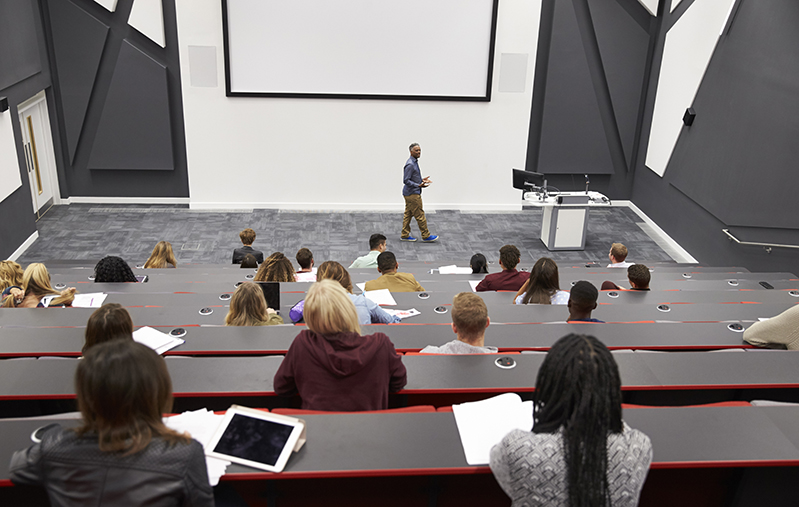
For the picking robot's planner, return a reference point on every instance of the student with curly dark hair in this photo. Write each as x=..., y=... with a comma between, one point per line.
x=275, y=268
x=579, y=453
x=112, y=269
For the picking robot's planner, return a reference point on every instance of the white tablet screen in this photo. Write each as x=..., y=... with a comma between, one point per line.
x=254, y=439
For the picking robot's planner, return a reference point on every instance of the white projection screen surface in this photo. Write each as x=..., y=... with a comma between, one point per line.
x=408, y=49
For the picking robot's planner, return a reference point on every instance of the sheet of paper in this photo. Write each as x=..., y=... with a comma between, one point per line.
x=156, y=340
x=454, y=270
x=201, y=425
x=474, y=284
x=90, y=300
x=361, y=286
x=382, y=297
x=482, y=424
x=403, y=314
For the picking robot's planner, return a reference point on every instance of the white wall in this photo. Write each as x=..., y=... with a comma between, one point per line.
x=348, y=154
x=687, y=52
x=9, y=165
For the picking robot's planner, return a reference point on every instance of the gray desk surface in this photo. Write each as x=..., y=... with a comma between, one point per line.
x=32, y=342
x=51, y=378
x=428, y=443
x=188, y=316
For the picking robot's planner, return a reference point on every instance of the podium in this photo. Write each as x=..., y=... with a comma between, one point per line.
x=565, y=217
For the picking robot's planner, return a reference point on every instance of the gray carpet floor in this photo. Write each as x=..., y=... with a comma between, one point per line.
x=88, y=232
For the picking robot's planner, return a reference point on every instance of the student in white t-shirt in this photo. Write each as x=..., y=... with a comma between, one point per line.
x=617, y=254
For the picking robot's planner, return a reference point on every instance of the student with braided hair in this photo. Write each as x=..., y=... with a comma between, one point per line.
x=579, y=453
x=276, y=268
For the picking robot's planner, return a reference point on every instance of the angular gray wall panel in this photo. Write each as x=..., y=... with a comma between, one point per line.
x=19, y=46
x=572, y=135
x=134, y=130
x=623, y=45
x=739, y=160
x=78, y=40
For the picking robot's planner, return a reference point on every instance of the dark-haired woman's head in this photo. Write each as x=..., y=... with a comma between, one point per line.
x=578, y=389
x=543, y=282
x=112, y=269
x=479, y=263
x=109, y=322
x=249, y=261
x=123, y=389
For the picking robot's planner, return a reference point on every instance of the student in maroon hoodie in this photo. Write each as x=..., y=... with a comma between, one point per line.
x=331, y=365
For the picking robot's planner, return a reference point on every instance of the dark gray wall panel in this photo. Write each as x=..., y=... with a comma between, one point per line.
x=623, y=45
x=572, y=134
x=78, y=40
x=19, y=45
x=134, y=129
x=744, y=144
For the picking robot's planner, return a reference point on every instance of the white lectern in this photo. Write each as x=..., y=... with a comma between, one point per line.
x=565, y=217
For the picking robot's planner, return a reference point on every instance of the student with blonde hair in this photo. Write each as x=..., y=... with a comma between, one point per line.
x=248, y=308
x=368, y=311
x=36, y=290
x=275, y=268
x=330, y=365
x=161, y=256
x=10, y=275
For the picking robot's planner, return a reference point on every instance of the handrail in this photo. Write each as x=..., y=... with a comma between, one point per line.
x=767, y=246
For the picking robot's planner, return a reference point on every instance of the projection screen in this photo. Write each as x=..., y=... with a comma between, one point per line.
x=377, y=49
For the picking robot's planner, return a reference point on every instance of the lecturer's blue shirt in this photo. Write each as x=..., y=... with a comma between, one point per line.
x=412, y=177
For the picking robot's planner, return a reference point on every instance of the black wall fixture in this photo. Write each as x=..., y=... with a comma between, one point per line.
x=688, y=117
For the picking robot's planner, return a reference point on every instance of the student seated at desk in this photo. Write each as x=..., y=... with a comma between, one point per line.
x=469, y=323
x=112, y=269
x=249, y=262
x=36, y=291
x=478, y=263
x=275, y=268
x=122, y=454
x=109, y=322
x=248, y=308
x=247, y=236
x=508, y=278
x=377, y=245
x=161, y=256
x=543, y=285
x=638, y=275
x=582, y=301
x=331, y=365
x=305, y=260
x=389, y=278
x=579, y=451
x=617, y=256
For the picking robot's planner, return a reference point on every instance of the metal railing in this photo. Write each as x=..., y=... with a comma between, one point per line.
x=767, y=246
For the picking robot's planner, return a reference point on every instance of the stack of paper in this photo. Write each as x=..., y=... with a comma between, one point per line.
x=403, y=314
x=201, y=425
x=91, y=300
x=474, y=284
x=156, y=340
x=382, y=297
x=454, y=270
x=482, y=424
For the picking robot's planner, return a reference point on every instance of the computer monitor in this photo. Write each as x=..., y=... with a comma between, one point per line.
x=527, y=180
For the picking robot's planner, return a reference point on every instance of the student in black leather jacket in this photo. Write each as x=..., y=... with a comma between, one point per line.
x=123, y=454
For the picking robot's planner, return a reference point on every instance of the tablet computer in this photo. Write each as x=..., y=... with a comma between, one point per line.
x=271, y=294
x=256, y=439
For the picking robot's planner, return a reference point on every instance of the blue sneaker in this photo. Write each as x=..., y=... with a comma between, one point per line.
x=430, y=238
x=409, y=238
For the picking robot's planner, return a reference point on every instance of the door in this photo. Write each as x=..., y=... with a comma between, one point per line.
x=39, y=155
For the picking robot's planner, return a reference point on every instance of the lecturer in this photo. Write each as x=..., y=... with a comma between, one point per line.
x=412, y=192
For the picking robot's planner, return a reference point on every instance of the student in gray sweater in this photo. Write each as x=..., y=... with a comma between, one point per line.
x=469, y=322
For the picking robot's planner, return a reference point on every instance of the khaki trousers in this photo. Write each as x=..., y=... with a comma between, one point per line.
x=413, y=208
